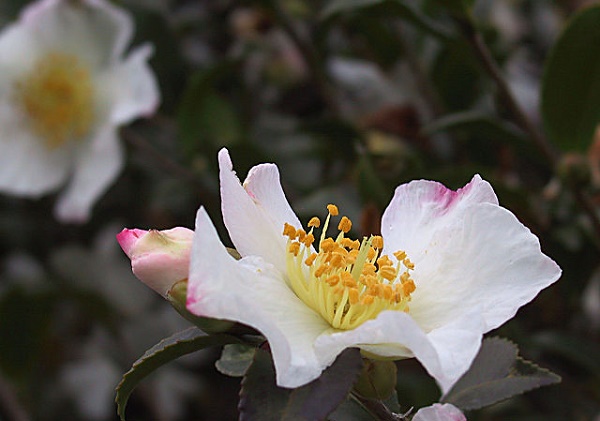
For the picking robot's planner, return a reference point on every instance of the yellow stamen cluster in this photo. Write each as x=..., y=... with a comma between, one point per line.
x=346, y=281
x=58, y=98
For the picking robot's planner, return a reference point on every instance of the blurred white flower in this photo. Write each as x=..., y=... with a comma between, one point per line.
x=65, y=87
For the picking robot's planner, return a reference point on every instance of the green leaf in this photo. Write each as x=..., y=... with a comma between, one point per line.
x=235, y=359
x=497, y=373
x=320, y=397
x=175, y=346
x=397, y=7
x=571, y=83
x=261, y=399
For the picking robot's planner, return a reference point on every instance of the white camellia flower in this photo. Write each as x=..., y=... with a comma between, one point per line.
x=449, y=267
x=65, y=87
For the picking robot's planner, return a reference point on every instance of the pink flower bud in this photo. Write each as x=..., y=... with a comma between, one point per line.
x=158, y=258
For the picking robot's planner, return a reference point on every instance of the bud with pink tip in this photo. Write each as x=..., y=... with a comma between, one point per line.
x=158, y=258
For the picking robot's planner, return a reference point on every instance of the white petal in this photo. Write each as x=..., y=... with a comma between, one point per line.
x=255, y=213
x=97, y=165
x=445, y=353
x=418, y=208
x=468, y=253
x=485, y=259
x=93, y=29
x=27, y=167
x=250, y=292
x=439, y=412
x=130, y=87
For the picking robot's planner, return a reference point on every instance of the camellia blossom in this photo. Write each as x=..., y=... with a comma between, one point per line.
x=65, y=87
x=158, y=258
x=448, y=267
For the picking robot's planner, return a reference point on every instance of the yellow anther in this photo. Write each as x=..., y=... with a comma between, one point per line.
x=405, y=277
x=388, y=272
x=333, y=280
x=387, y=291
x=377, y=241
x=352, y=254
x=345, y=225
x=321, y=270
x=333, y=210
x=367, y=300
x=400, y=255
x=308, y=240
x=372, y=253
x=301, y=234
x=408, y=264
x=294, y=248
x=408, y=287
x=346, y=242
x=353, y=296
x=384, y=261
x=350, y=283
x=314, y=222
x=369, y=269
x=368, y=280
x=375, y=290
x=327, y=245
x=337, y=261
x=289, y=231
x=310, y=259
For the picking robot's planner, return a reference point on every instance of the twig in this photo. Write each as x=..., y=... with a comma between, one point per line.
x=482, y=52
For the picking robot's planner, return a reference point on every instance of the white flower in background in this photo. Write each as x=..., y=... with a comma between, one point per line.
x=65, y=87
x=449, y=267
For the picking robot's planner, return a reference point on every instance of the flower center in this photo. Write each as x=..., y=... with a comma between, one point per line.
x=57, y=96
x=346, y=281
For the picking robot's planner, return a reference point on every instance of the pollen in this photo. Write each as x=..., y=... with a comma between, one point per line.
x=346, y=281
x=57, y=96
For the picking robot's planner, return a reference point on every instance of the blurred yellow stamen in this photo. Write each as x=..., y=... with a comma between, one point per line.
x=58, y=98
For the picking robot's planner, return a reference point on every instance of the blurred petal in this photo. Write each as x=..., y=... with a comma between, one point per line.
x=93, y=29
x=131, y=87
x=96, y=167
x=27, y=167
